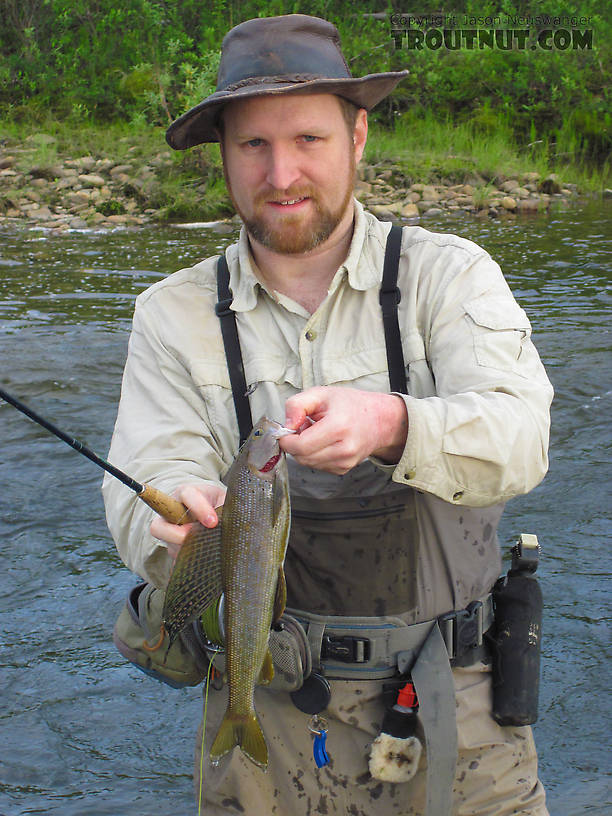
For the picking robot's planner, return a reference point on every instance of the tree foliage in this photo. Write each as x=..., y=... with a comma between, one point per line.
x=150, y=60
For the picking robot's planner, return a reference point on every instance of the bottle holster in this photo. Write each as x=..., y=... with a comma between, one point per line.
x=515, y=639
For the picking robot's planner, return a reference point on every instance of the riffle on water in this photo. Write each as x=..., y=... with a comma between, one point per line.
x=81, y=730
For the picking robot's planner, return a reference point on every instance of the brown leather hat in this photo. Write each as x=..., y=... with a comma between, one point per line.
x=278, y=55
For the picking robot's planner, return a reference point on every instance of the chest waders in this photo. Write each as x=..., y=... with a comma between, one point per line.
x=384, y=620
x=361, y=533
x=369, y=580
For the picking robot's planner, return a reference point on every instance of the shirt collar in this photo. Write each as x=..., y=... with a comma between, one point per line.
x=366, y=252
x=363, y=264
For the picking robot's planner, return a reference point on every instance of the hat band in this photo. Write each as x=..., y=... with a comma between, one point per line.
x=268, y=80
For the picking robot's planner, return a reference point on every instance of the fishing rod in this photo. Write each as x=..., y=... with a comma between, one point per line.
x=171, y=509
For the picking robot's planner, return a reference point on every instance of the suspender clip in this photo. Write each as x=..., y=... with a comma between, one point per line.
x=389, y=298
x=222, y=308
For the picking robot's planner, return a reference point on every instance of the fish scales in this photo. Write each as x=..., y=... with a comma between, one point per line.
x=187, y=595
x=253, y=567
x=256, y=518
x=243, y=558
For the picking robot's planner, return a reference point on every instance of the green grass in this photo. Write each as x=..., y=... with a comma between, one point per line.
x=429, y=150
x=184, y=184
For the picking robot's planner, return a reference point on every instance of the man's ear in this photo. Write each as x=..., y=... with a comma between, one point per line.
x=360, y=134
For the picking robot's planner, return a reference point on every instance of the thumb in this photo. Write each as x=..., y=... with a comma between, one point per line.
x=300, y=407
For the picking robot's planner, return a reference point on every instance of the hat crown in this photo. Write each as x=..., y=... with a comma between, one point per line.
x=294, y=45
x=295, y=54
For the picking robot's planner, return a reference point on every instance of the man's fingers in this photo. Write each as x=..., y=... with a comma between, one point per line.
x=201, y=500
x=349, y=425
x=300, y=407
x=312, y=439
x=337, y=458
x=172, y=534
x=201, y=506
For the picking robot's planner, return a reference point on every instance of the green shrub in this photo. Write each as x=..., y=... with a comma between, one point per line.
x=111, y=207
x=147, y=61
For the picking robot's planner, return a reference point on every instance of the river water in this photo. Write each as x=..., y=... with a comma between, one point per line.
x=81, y=731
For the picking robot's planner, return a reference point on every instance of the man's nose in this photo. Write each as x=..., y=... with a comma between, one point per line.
x=283, y=169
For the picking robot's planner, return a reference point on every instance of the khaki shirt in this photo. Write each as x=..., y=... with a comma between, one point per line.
x=478, y=402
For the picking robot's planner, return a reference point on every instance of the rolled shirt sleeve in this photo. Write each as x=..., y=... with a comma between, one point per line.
x=162, y=435
x=483, y=437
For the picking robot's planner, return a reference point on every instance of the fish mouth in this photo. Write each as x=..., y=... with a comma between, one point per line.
x=270, y=464
x=264, y=451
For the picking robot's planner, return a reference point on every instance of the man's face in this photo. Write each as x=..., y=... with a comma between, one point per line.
x=289, y=165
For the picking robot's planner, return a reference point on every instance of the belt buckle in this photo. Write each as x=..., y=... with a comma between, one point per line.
x=345, y=648
x=462, y=630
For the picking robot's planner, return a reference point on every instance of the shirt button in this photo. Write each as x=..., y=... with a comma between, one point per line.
x=410, y=474
x=310, y=335
x=458, y=495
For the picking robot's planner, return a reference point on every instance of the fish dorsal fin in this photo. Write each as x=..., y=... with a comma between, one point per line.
x=196, y=578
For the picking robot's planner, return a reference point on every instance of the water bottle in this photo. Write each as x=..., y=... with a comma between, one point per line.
x=516, y=638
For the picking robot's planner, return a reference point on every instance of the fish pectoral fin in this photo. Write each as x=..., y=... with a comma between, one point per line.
x=266, y=673
x=280, y=598
x=280, y=502
x=196, y=578
x=244, y=731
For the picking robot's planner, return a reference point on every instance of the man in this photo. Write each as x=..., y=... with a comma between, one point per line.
x=395, y=496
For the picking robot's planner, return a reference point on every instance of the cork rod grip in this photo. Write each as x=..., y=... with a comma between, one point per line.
x=172, y=510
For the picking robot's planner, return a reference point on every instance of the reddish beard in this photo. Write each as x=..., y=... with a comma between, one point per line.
x=294, y=233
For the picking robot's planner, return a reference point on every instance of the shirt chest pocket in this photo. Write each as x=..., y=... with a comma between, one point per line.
x=361, y=368
x=367, y=368
x=500, y=329
x=270, y=381
x=258, y=368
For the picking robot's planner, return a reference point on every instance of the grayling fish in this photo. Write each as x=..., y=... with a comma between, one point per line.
x=243, y=558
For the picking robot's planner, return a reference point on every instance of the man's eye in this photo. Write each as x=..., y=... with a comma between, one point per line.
x=308, y=138
x=255, y=142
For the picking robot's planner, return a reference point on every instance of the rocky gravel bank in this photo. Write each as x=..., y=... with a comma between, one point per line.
x=86, y=191
x=385, y=193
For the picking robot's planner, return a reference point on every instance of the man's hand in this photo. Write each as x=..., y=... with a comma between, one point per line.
x=201, y=500
x=347, y=426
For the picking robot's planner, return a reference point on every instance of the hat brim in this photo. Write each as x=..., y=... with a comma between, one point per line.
x=199, y=124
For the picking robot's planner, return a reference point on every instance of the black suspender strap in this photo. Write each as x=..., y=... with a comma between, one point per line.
x=389, y=297
x=231, y=343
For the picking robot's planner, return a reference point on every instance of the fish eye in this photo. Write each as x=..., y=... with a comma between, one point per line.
x=258, y=432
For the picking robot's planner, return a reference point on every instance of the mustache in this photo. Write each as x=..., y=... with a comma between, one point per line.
x=284, y=195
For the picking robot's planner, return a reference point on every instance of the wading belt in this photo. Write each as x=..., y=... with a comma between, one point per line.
x=373, y=648
x=368, y=648
x=389, y=297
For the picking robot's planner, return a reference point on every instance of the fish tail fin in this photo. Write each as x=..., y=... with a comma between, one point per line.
x=245, y=731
